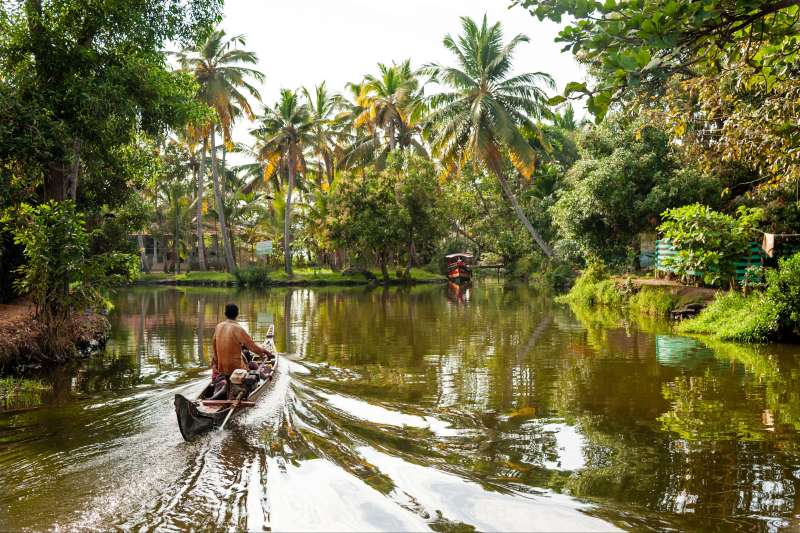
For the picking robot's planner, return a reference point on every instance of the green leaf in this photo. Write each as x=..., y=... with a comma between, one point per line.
x=574, y=87
x=643, y=57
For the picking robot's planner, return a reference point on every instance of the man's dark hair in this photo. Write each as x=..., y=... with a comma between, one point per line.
x=231, y=311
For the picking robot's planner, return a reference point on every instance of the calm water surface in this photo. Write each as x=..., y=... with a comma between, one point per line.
x=412, y=409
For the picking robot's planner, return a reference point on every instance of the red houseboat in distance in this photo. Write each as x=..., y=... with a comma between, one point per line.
x=458, y=270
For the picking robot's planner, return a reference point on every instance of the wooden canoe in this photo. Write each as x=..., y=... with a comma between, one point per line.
x=201, y=414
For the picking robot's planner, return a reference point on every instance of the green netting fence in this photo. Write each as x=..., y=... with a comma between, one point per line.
x=753, y=257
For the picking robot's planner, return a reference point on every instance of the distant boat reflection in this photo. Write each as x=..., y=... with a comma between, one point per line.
x=458, y=294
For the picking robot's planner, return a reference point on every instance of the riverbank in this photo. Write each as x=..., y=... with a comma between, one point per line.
x=768, y=314
x=25, y=345
x=303, y=277
x=651, y=297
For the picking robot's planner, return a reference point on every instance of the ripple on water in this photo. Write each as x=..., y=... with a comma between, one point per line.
x=406, y=412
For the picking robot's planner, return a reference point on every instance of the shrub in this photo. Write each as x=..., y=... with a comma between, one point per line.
x=59, y=275
x=594, y=287
x=628, y=173
x=255, y=276
x=759, y=317
x=707, y=241
x=783, y=292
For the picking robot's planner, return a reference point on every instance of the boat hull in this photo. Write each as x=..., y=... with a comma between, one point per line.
x=192, y=421
x=459, y=275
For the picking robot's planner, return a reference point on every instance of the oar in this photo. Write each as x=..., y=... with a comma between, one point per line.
x=233, y=408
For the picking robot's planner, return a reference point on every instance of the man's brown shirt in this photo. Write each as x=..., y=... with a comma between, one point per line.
x=229, y=338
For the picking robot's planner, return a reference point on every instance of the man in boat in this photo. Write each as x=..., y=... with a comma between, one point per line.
x=227, y=343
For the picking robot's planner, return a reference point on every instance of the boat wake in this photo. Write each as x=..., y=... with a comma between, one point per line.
x=308, y=457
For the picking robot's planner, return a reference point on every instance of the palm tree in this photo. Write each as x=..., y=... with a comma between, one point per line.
x=389, y=107
x=565, y=120
x=480, y=118
x=190, y=138
x=218, y=65
x=322, y=105
x=244, y=208
x=286, y=130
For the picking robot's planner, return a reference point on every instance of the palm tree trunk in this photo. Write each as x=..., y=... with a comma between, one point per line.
x=217, y=253
x=223, y=226
x=142, y=254
x=287, y=222
x=522, y=217
x=165, y=253
x=155, y=250
x=412, y=251
x=329, y=169
x=391, y=136
x=201, y=174
x=175, y=242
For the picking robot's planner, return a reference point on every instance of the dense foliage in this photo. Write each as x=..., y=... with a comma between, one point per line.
x=720, y=73
x=696, y=104
x=396, y=211
x=707, y=242
x=60, y=274
x=84, y=88
x=627, y=175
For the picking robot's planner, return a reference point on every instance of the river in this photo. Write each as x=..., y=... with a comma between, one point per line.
x=414, y=409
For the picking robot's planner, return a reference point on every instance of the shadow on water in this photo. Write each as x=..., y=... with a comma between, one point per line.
x=412, y=409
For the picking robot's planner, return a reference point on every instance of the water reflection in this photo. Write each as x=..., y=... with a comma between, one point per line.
x=410, y=409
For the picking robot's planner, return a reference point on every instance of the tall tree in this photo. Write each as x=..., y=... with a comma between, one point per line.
x=322, y=105
x=386, y=115
x=219, y=65
x=722, y=75
x=286, y=130
x=90, y=78
x=630, y=45
x=479, y=119
x=192, y=138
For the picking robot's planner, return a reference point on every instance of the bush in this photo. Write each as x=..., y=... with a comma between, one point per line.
x=759, y=317
x=594, y=287
x=541, y=272
x=255, y=276
x=783, y=292
x=628, y=173
x=708, y=242
x=59, y=274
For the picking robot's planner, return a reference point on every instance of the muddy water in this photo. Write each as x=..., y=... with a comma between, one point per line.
x=420, y=409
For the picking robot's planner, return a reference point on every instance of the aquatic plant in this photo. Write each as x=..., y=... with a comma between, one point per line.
x=20, y=393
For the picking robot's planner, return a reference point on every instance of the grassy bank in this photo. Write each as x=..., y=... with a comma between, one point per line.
x=762, y=316
x=766, y=315
x=736, y=317
x=209, y=278
x=595, y=288
x=278, y=278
